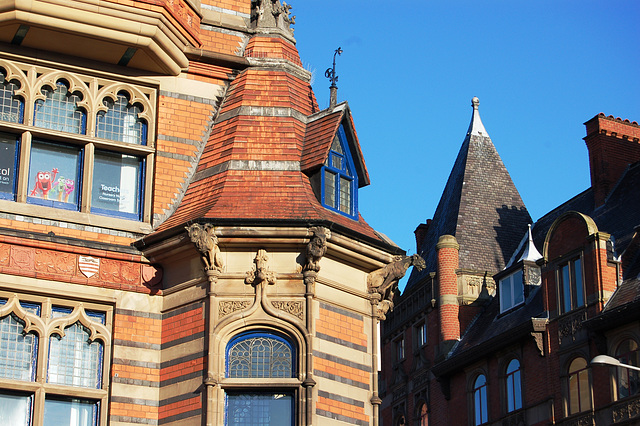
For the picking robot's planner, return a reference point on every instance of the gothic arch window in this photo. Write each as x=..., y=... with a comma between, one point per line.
x=52, y=354
x=82, y=144
x=628, y=381
x=263, y=364
x=121, y=121
x=11, y=105
x=59, y=110
x=513, y=386
x=578, y=388
x=480, y=401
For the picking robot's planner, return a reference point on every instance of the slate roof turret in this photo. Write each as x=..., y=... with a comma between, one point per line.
x=480, y=206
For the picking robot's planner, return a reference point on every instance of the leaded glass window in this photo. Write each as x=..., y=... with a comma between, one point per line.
x=121, y=122
x=259, y=355
x=18, y=350
x=11, y=106
x=74, y=360
x=60, y=111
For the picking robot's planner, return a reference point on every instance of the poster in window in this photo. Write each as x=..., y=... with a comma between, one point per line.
x=7, y=166
x=54, y=175
x=116, y=184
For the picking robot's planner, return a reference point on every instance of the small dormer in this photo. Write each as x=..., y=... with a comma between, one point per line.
x=519, y=278
x=333, y=161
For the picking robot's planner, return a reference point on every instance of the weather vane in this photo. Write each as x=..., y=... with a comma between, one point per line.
x=330, y=73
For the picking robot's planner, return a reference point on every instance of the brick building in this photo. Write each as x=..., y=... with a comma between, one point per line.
x=180, y=240
x=501, y=325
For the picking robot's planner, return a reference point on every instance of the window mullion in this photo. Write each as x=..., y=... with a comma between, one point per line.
x=87, y=178
x=22, y=188
x=147, y=187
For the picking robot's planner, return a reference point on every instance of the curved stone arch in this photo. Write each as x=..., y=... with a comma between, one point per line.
x=75, y=85
x=15, y=73
x=223, y=336
x=136, y=96
x=591, y=228
x=31, y=321
x=96, y=331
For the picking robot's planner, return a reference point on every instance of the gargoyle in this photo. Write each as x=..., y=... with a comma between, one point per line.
x=207, y=243
x=385, y=280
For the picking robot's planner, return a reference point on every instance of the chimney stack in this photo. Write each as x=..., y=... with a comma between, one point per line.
x=613, y=144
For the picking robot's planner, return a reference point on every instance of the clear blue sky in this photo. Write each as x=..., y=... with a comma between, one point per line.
x=410, y=68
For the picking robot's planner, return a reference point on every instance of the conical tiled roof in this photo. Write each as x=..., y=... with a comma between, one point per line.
x=480, y=206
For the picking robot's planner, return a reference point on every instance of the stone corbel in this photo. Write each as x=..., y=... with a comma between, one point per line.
x=316, y=249
x=206, y=241
x=260, y=272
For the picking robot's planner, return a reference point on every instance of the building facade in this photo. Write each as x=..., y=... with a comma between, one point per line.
x=180, y=239
x=501, y=325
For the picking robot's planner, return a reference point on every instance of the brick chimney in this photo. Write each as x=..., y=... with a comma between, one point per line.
x=613, y=144
x=420, y=233
x=448, y=307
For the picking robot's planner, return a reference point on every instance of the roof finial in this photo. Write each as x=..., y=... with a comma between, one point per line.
x=330, y=73
x=476, y=127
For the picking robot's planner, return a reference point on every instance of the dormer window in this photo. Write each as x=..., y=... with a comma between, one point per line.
x=511, y=291
x=339, y=180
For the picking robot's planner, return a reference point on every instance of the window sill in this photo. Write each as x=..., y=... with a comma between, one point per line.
x=107, y=222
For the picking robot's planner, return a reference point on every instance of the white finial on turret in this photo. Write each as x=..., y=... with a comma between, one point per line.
x=476, y=127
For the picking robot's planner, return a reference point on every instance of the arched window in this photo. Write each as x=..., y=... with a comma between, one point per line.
x=578, y=387
x=628, y=380
x=261, y=356
x=11, y=106
x=513, y=386
x=66, y=371
x=570, y=285
x=121, y=122
x=424, y=415
x=59, y=111
x=480, y=403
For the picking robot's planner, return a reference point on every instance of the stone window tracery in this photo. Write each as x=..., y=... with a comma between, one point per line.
x=75, y=142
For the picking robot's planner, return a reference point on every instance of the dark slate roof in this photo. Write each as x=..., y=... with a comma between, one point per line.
x=490, y=330
x=480, y=206
x=618, y=217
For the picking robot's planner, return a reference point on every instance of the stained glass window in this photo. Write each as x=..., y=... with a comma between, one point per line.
x=18, y=350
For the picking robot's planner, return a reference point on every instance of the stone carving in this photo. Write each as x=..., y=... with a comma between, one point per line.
x=294, y=308
x=316, y=248
x=260, y=271
x=537, y=337
x=272, y=14
x=205, y=239
x=227, y=307
x=384, y=281
x=570, y=326
x=626, y=411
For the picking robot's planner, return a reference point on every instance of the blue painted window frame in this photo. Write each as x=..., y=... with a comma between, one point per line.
x=40, y=104
x=75, y=205
x=34, y=308
x=346, y=171
x=114, y=118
